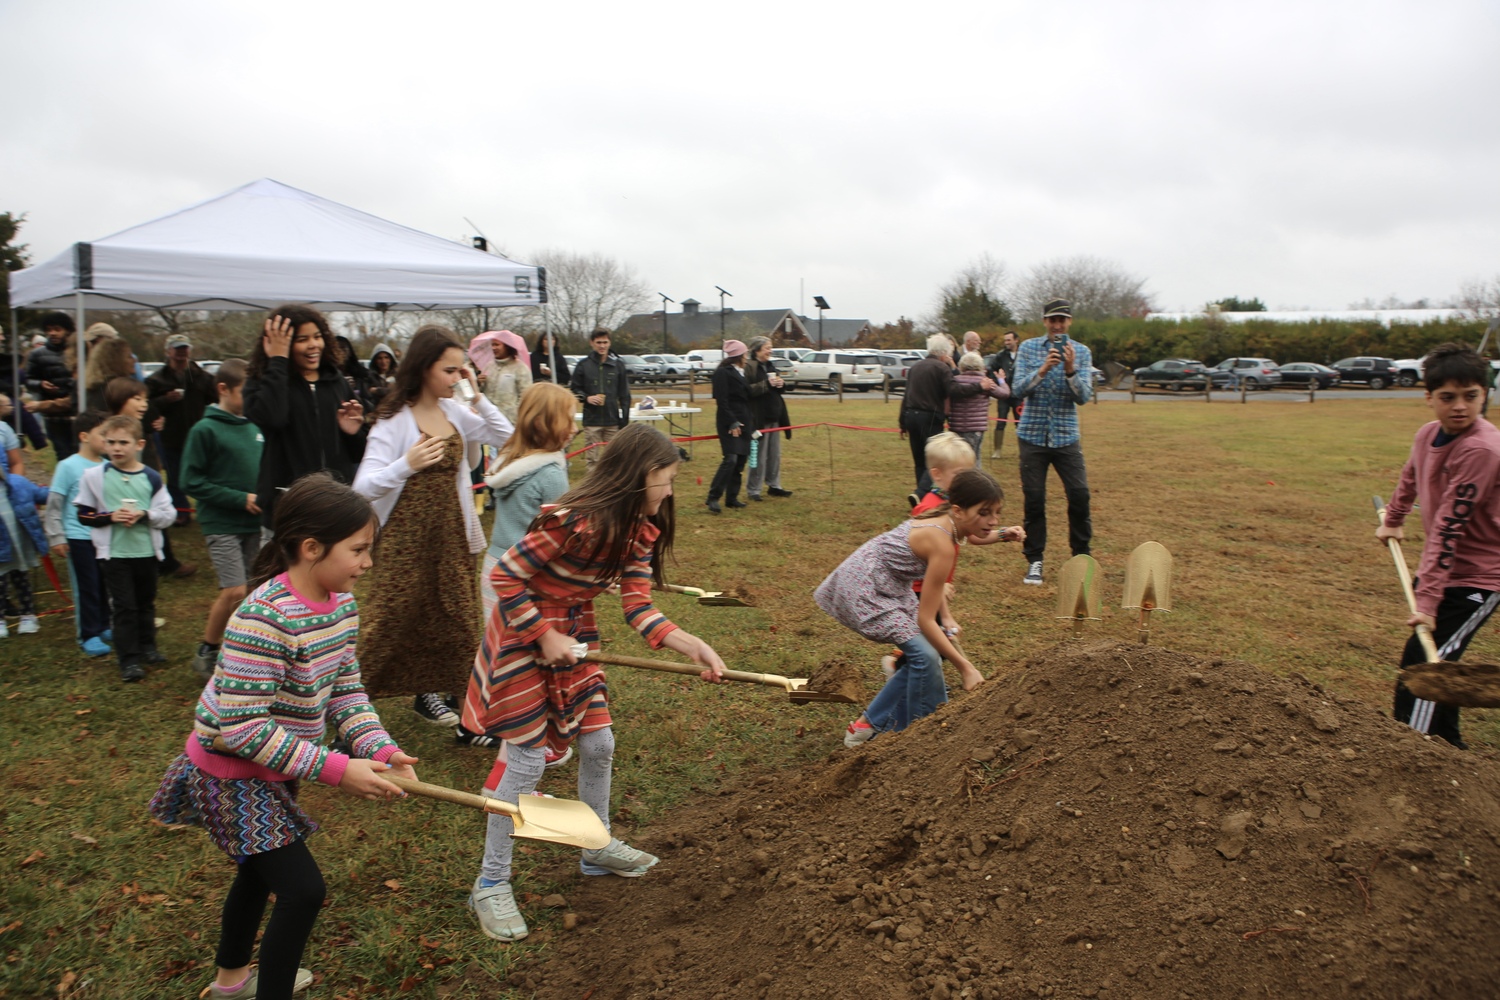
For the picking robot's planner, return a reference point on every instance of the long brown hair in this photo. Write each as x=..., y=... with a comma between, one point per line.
x=969, y=488
x=544, y=421
x=613, y=498
x=427, y=347
x=110, y=358
x=316, y=507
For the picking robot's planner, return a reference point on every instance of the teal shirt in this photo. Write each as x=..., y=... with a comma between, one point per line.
x=134, y=541
x=65, y=482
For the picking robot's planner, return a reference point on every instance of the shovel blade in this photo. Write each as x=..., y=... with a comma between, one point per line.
x=799, y=696
x=560, y=821
x=1467, y=685
x=1148, y=578
x=713, y=600
x=1078, y=589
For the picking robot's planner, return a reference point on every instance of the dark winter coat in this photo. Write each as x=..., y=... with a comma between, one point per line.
x=300, y=423
x=590, y=378
x=559, y=364
x=767, y=404
x=49, y=364
x=198, y=390
x=732, y=394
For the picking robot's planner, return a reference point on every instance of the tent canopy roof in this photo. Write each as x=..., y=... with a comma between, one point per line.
x=266, y=243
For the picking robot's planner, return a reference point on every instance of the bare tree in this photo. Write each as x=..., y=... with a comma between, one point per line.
x=1480, y=299
x=588, y=290
x=1096, y=287
x=974, y=297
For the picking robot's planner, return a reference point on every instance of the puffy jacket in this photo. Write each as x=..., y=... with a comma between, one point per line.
x=590, y=378
x=972, y=413
x=49, y=364
x=300, y=423
x=24, y=498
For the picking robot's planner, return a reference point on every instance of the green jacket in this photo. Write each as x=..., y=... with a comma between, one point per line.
x=220, y=465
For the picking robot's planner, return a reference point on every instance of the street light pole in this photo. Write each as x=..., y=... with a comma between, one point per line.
x=822, y=304
x=666, y=345
x=722, y=293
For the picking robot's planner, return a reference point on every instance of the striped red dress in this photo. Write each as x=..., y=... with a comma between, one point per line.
x=543, y=581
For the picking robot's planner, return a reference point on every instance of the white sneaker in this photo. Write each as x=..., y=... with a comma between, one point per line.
x=888, y=666
x=499, y=916
x=1033, y=574
x=29, y=625
x=4, y=629
x=619, y=858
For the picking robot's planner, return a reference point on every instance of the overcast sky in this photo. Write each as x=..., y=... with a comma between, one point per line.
x=1311, y=154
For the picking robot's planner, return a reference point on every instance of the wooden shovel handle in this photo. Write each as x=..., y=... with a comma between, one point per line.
x=1424, y=634
x=771, y=680
x=679, y=589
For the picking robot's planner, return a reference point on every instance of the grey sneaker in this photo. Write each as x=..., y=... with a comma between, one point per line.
x=246, y=990
x=1033, y=574
x=618, y=858
x=205, y=659
x=499, y=916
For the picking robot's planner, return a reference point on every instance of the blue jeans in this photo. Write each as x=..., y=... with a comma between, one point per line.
x=914, y=691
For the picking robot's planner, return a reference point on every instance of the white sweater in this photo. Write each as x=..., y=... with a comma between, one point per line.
x=384, y=471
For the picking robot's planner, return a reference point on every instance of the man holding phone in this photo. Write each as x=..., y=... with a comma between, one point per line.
x=1053, y=375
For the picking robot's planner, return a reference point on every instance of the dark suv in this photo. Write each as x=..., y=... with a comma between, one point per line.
x=1377, y=373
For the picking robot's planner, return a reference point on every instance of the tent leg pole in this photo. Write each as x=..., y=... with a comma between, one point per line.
x=547, y=326
x=15, y=371
x=81, y=349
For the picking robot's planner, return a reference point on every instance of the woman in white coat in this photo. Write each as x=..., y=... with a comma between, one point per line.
x=421, y=621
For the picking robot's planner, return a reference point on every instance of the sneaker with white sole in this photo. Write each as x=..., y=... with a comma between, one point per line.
x=618, y=858
x=205, y=659
x=499, y=916
x=247, y=990
x=464, y=738
x=859, y=733
x=1033, y=574
x=4, y=629
x=432, y=708
x=29, y=625
x=888, y=664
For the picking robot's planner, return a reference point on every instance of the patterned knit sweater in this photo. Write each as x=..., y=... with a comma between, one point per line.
x=287, y=666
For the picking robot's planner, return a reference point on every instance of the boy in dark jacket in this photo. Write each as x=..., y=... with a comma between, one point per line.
x=600, y=383
x=220, y=465
x=180, y=391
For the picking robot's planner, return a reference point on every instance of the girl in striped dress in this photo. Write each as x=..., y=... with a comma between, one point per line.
x=286, y=670
x=528, y=687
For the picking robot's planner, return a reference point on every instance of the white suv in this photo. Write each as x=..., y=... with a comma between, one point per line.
x=856, y=369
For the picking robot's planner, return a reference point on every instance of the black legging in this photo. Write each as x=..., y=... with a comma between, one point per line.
x=292, y=874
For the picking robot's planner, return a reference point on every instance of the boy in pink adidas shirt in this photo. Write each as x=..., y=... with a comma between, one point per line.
x=1451, y=473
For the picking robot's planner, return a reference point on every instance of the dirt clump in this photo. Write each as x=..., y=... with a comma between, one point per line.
x=839, y=676
x=1108, y=821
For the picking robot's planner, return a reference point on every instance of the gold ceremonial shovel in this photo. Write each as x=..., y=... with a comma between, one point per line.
x=708, y=598
x=559, y=821
x=1078, y=593
x=1148, y=584
x=796, y=687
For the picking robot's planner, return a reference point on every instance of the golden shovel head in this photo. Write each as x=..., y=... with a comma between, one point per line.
x=1148, y=578
x=560, y=821
x=1078, y=589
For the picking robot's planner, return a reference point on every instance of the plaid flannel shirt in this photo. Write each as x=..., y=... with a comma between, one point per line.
x=1050, y=416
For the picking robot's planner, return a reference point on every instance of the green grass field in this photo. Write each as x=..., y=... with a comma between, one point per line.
x=1265, y=506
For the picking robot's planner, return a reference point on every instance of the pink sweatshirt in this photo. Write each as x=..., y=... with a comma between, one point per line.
x=1455, y=484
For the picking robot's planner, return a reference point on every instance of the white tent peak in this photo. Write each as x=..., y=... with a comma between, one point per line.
x=265, y=243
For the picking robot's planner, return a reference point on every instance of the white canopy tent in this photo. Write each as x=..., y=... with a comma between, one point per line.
x=264, y=244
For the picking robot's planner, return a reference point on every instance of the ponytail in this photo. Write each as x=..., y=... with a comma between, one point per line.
x=316, y=507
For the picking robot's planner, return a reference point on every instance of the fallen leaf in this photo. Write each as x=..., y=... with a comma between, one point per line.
x=13, y=925
x=410, y=983
x=146, y=898
x=83, y=711
x=39, y=801
x=65, y=985
x=74, y=781
x=85, y=838
x=393, y=884
x=422, y=940
x=33, y=858
x=13, y=696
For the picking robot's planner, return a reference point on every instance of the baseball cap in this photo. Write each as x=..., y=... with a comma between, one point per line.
x=1058, y=307
x=178, y=340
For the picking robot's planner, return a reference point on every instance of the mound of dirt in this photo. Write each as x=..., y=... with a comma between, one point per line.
x=1109, y=821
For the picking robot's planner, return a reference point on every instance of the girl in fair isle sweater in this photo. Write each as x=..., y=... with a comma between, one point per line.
x=286, y=670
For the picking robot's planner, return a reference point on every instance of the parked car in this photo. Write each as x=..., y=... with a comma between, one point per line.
x=861, y=370
x=149, y=368
x=790, y=353
x=1256, y=373
x=1377, y=373
x=895, y=367
x=572, y=359
x=671, y=365
x=1409, y=371
x=638, y=369
x=1179, y=373
x=210, y=365
x=704, y=360
x=1306, y=373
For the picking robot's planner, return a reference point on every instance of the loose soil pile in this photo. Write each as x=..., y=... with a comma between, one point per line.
x=1109, y=821
x=839, y=676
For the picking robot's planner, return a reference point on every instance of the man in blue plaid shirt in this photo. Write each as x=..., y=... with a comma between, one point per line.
x=1053, y=375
